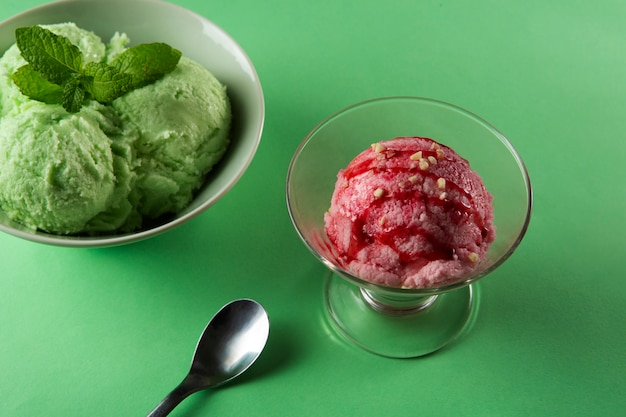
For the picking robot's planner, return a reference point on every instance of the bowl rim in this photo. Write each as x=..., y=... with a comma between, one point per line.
x=394, y=291
x=105, y=240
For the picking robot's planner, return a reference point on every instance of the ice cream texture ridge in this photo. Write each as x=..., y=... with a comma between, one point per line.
x=108, y=168
x=409, y=212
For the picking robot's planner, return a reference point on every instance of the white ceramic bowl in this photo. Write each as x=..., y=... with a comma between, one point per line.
x=197, y=38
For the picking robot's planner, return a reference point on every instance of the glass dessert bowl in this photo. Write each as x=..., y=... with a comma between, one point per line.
x=394, y=321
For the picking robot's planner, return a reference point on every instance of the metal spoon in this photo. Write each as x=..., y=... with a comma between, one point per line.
x=230, y=343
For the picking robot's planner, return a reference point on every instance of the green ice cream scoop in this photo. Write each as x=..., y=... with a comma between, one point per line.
x=183, y=122
x=57, y=168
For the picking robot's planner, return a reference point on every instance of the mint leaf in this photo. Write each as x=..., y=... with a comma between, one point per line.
x=56, y=72
x=33, y=85
x=105, y=83
x=147, y=63
x=54, y=56
x=73, y=94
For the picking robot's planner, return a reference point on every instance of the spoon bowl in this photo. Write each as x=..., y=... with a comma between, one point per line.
x=230, y=344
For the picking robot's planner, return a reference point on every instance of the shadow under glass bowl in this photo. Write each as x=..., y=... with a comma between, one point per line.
x=197, y=38
x=398, y=322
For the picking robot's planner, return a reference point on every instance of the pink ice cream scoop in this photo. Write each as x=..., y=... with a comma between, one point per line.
x=409, y=212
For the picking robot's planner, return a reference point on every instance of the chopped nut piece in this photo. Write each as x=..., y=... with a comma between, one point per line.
x=440, y=154
x=413, y=165
x=401, y=184
x=443, y=196
x=416, y=156
x=382, y=220
x=345, y=184
x=473, y=257
x=378, y=147
x=441, y=183
x=432, y=160
x=413, y=179
x=435, y=146
x=379, y=192
x=424, y=164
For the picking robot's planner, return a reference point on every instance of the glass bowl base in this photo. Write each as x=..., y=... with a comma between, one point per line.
x=406, y=334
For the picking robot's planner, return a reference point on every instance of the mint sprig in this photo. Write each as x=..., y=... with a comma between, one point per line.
x=56, y=72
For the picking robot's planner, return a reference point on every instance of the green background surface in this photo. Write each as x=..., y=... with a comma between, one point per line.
x=108, y=332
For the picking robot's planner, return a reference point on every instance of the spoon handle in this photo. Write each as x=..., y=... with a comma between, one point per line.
x=188, y=386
